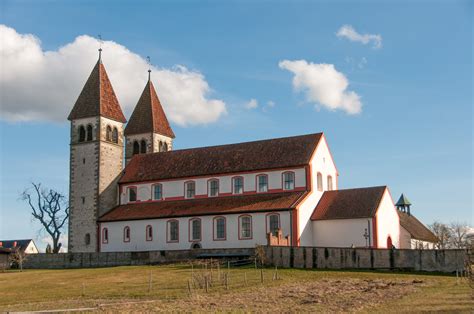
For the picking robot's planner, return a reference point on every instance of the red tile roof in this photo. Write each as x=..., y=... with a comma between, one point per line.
x=148, y=115
x=97, y=98
x=250, y=156
x=417, y=230
x=205, y=206
x=350, y=203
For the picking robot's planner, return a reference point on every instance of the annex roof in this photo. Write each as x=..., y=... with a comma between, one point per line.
x=417, y=230
x=97, y=98
x=205, y=206
x=349, y=203
x=148, y=115
x=231, y=158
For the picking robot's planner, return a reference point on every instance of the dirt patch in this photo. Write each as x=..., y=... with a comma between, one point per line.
x=326, y=295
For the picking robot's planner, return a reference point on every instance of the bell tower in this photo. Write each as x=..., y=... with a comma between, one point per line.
x=96, y=158
x=148, y=130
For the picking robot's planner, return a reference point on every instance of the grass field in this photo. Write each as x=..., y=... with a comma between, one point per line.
x=171, y=288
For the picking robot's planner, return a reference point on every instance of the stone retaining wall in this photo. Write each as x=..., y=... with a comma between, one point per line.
x=281, y=256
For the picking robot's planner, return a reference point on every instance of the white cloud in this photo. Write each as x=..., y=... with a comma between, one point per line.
x=323, y=85
x=270, y=104
x=43, y=85
x=251, y=104
x=347, y=31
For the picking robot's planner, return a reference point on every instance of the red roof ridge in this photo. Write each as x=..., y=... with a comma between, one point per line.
x=229, y=144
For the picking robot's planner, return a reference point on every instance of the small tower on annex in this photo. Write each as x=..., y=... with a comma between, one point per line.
x=96, y=158
x=403, y=204
x=148, y=130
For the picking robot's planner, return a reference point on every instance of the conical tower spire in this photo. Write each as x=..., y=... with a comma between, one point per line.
x=97, y=97
x=403, y=204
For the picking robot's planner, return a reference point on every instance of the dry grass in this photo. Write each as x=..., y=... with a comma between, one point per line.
x=129, y=289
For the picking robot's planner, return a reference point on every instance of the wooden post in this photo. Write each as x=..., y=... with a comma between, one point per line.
x=206, y=283
x=245, y=279
x=189, y=287
x=226, y=276
x=149, y=282
x=261, y=275
x=83, y=289
x=218, y=272
x=228, y=266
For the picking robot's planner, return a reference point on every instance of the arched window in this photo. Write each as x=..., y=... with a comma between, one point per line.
x=143, y=147
x=126, y=234
x=82, y=133
x=149, y=233
x=136, y=148
x=172, y=231
x=273, y=223
x=219, y=228
x=132, y=194
x=237, y=185
x=213, y=187
x=195, y=229
x=88, y=238
x=105, y=236
x=115, y=135
x=190, y=189
x=320, y=181
x=389, y=242
x=245, y=227
x=262, y=183
x=157, y=191
x=329, y=183
x=288, y=180
x=89, y=132
x=108, y=134
x=165, y=147
x=160, y=146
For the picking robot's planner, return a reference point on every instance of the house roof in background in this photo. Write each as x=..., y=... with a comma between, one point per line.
x=22, y=244
x=232, y=158
x=205, y=206
x=97, y=98
x=349, y=203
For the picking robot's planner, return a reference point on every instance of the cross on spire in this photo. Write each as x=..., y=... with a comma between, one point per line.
x=100, y=47
x=149, y=67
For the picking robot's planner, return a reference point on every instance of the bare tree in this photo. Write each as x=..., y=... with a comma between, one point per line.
x=443, y=233
x=459, y=235
x=50, y=208
x=17, y=257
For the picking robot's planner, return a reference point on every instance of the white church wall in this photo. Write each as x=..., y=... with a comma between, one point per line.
x=323, y=163
x=341, y=232
x=138, y=242
x=174, y=189
x=388, y=222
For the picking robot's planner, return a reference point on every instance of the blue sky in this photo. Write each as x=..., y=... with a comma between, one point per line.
x=414, y=132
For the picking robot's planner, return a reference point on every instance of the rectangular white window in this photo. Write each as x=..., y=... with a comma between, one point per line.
x=190, y=189
x=157, y=192
x=245, y=227
x=262, y=181
x=173, y=231
x=289, y=180
x=132, y=194
x=238, y=183
x=219, y=228
x=329, y=183
x=195, y=230
x=213, y=187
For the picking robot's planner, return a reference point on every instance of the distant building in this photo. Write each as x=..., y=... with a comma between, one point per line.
x=413, y=234
x=27, y=246
x=278, y=191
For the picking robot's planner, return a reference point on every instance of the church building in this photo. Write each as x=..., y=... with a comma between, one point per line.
x=131, y=191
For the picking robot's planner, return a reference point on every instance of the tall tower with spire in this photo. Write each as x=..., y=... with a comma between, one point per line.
x=148, y=130
x=96, y=158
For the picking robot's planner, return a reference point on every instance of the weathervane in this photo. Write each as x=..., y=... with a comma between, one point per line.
x=149, y=66
x=100, y=46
